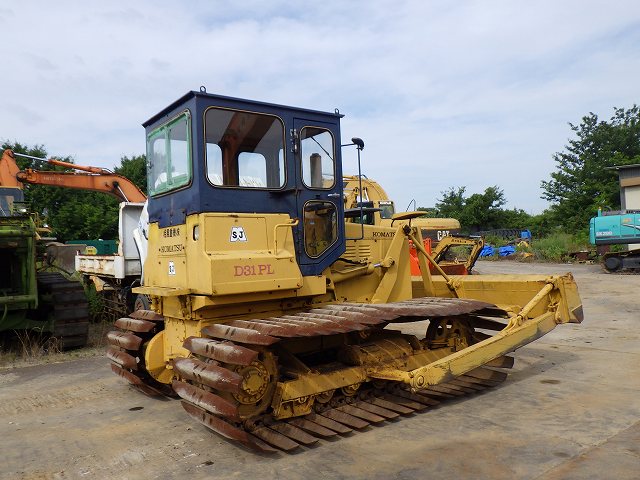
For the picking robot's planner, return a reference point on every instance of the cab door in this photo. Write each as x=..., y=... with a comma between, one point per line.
x=320, y=205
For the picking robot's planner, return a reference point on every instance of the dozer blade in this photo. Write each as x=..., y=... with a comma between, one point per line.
x=501, y=362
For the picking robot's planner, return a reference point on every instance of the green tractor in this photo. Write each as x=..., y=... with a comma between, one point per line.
x=33, y=299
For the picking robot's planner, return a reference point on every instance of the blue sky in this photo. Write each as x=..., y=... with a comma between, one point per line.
x=444, y=94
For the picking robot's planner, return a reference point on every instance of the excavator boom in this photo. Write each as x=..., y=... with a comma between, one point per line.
x=8, y=170
x=95, y=179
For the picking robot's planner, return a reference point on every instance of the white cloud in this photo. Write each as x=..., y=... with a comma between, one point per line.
x=444, y=94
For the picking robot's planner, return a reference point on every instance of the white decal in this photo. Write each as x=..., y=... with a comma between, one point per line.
x=442, y=234
x=237, y=235
x=172, y=268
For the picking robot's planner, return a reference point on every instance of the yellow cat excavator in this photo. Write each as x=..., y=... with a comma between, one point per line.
x=276, y=322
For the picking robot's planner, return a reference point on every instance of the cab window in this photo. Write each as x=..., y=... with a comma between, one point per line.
x=317, y=156
x=320, y=227
x=386, y=209
x=169, y=156
x=244, y=149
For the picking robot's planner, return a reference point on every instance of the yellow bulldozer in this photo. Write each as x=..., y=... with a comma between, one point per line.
x=367, y=202
x=278, y=323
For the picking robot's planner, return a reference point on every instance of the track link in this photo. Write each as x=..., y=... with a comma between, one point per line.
x=126, y=350
x=342, y=416
x=223, y=374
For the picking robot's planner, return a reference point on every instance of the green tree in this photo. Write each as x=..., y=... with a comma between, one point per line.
x=582, y=183
x=452, y=203
x=135, y=169
x=482, y=211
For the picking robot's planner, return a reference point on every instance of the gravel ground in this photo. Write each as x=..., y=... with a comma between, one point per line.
x=569, y=410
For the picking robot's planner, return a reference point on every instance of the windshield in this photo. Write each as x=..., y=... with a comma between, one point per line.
x=244, y=149
x=169, y=156
x=9, y=196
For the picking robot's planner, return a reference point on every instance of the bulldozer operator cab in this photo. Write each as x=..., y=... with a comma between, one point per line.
x=246, y=162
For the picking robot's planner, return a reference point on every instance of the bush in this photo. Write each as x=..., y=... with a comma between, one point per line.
x=556, y=247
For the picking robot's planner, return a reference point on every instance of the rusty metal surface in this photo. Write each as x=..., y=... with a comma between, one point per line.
x=206, y=400
x=345, y=418
x=375, y=409
x=135, y=325
x=225, y=352
x=231, y=343
x=240, y=335
x=404, y=402
x=208, y=374
x=276, y=439
x=294, y=433
x=339, y=318
x=147, y=315
x=361, y=413
x=394, y=407
x=311, y=427
x=225, y=429
x=415, y=397
x=125, y=340
x=122, y=358
x=328, y=423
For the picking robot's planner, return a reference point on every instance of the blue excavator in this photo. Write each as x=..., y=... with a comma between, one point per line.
x=617, y=228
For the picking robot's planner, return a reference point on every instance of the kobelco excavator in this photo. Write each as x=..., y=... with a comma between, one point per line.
x=276, y=322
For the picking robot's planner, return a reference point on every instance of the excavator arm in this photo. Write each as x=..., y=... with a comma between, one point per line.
x=92, y=178
x=9, y=170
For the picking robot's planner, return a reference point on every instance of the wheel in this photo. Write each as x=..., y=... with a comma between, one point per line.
x=612, y=264
x=451, y=332
x=142, y=302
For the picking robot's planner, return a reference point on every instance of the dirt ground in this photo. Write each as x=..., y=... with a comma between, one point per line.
x=569, y=410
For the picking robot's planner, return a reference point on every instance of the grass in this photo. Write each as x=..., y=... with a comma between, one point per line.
x=556, y=247
x=34, y=348
x=553, y=248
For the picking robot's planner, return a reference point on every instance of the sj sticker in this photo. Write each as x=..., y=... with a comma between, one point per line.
x=172, y=268
x=237, y=235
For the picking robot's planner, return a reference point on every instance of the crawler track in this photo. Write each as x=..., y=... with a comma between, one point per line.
x=69, y=307
x=230, y=381
x=126, y=350
x=224, y=383
x=345, y=414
